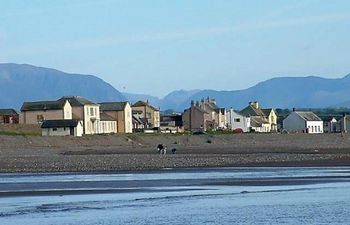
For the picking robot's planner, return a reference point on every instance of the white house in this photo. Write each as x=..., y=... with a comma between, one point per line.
x=305, y=122
x=62, y=128
x=235, y=120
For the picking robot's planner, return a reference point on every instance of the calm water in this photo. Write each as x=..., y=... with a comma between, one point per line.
x=191, y=196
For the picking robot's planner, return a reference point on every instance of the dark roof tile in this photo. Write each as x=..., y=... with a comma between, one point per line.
x=59, y=123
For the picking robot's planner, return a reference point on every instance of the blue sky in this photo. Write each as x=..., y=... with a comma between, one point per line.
x=156, y=46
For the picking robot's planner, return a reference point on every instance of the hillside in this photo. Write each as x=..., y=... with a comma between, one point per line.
x=285, y=92
x=21, y=82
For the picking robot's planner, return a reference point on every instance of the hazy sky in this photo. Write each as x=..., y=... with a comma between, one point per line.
x=156, y=46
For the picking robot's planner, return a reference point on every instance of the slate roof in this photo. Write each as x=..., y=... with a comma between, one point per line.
x=106, y=117
x=112, y=106
x=329, y=118
x=257, y=121
x=266, y=111
x=77, y=101
x=308, y=116
x=42, y=105
x=59, y=123
x=136, y=120
x=8, y=112
x=142, y=103
x=251, y=111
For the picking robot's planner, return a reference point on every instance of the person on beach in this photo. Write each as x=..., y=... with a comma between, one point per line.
x=160, y=148
x=164, y=150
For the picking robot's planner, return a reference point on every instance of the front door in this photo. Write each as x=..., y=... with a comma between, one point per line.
x=71, y=131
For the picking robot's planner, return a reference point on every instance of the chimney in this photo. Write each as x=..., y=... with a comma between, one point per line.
x=254, y=104
x=197, y=103
x=293, y=109
x=192, y=103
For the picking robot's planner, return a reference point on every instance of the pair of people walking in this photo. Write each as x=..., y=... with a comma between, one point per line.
x=161, y=149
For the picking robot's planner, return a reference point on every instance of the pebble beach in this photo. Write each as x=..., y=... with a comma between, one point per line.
x=137, y=152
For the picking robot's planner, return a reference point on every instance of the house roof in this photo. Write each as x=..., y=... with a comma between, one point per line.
x=112, y=106
x=212, y=105
x=8, y=112
x=308, y=116
x=106, y=117
x=77, y=100
x=252, y=111
x=142, y=103
x=59, y=123
x=42, y=105
x=138, y=120
x=257, y=121
x=266, y=111
x=198, y=108
x=330, y=118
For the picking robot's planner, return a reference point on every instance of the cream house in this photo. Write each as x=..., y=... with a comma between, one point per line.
x=262, y=120
x=144, y=110
x=121, y=112
x=217, y=114
x=87, y=111
x=36, y=112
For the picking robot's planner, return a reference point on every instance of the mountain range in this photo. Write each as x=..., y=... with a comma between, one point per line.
x=22, y=82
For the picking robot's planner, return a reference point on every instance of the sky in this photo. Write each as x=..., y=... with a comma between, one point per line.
x=157, y=46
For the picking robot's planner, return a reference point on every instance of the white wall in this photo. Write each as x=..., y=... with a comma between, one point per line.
x=91, y=119
x=128, y=118
x=315, y=127
x=235, y=120
x=79, y=130
x=107, y=127
x=55, y=131
x=67, y=111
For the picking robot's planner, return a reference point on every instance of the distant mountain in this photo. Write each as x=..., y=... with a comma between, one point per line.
x=173, y=100
x=284, y=92
x=132, y=98
x=21, y=82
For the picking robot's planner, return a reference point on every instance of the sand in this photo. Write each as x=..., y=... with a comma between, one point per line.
x=138, y=151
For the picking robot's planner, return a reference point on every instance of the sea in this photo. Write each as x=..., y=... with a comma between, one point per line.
x=253, y=195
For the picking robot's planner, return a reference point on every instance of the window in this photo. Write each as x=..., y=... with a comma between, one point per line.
x=54, y=129
x=40, y=118
x=91, y=111
x=237, y=120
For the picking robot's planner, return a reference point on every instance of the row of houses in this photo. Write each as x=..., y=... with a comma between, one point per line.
x=77, y=116
x=206, y=115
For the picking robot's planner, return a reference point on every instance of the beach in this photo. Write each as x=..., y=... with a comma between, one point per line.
x=137, y=152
